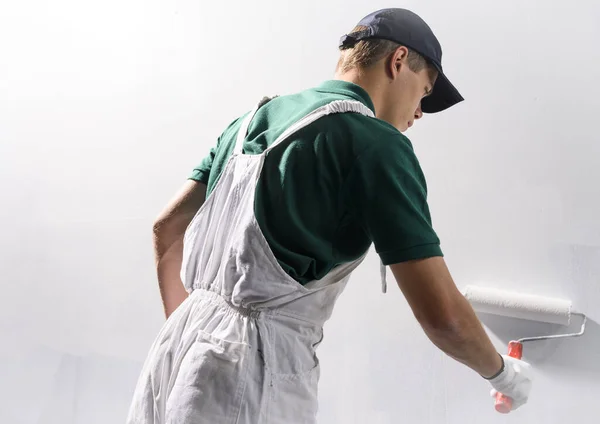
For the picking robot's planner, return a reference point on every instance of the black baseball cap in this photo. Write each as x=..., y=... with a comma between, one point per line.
x=407, y=28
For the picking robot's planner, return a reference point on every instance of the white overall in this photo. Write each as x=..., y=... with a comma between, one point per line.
x=241, y=347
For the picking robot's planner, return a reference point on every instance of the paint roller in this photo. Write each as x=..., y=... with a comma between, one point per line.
x=522, y=306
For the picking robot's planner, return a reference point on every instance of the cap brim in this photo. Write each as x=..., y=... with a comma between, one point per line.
x=443, y=95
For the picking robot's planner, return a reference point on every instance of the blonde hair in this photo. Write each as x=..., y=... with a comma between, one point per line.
x=367, y=52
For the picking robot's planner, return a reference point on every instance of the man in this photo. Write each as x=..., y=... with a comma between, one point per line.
x=270, y=226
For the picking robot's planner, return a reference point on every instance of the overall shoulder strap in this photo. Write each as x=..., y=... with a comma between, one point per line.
x=336, y=106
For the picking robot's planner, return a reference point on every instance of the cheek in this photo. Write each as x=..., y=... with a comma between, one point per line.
x=411, y=100
x=419, y=90
x=412, y=104
x=417, y=97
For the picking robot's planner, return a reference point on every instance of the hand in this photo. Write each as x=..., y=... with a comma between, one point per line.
x=514, y=381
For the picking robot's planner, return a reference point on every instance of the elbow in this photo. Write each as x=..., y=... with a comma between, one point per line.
x=449, y=330
x=163, y=233
x=158, y=226
x=167, y=231
x=165, y=224
x=164, y=238
x=441, y=322
x=171, y=223
x=447, y=315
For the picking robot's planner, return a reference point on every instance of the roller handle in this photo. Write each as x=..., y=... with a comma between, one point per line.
x=504, y=403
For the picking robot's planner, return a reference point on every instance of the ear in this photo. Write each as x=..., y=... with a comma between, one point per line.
x=397, y=61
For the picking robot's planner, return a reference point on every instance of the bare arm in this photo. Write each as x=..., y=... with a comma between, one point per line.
x=169, y=229
x=445, y=315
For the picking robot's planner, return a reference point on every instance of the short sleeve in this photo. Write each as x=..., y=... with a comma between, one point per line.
x=387, y=194
x=201, y=173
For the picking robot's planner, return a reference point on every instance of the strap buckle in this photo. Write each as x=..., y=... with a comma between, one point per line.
x=349, y=40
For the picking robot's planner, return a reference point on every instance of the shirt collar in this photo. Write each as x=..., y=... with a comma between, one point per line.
x=348, y=89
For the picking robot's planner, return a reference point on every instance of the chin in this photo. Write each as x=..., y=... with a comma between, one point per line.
x=405, y=126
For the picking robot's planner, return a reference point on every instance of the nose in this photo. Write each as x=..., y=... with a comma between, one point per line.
x=418, y=112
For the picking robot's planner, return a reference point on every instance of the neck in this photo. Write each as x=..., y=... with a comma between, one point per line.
x=374, y=86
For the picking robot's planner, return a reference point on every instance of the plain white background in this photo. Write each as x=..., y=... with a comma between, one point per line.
x=105, y=107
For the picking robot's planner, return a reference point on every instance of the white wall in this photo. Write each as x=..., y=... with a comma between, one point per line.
x=105, y=107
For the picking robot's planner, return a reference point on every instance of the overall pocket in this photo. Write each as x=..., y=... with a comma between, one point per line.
x=293, y=397
x=210, y=382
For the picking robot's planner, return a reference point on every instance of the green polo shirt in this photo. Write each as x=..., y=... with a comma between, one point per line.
x=333, y=188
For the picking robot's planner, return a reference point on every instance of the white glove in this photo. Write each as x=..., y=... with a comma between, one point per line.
x=514, y=381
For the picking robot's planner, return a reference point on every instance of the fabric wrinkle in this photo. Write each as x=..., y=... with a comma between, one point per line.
x=241, y=349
